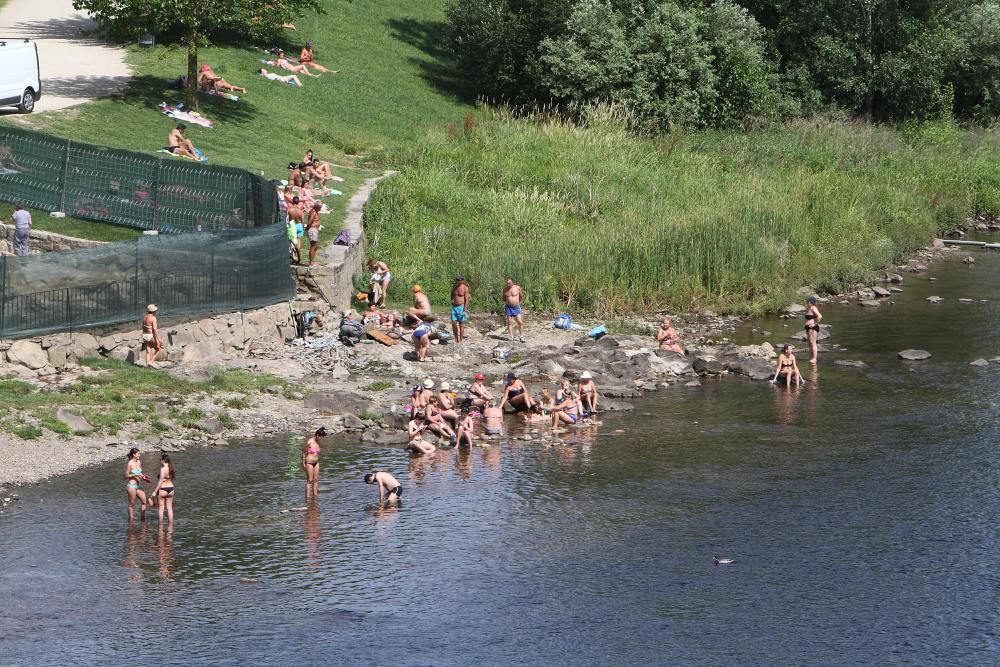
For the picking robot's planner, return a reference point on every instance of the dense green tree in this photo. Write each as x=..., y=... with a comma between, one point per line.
x=193, y=21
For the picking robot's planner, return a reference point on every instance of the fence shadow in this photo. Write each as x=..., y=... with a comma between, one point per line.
x=431, y=37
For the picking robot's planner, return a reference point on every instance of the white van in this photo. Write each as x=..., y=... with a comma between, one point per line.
x=20, y=83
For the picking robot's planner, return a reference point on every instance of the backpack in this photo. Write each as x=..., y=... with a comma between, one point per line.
x=598, y=331
x=343, y=238
x=564, y=322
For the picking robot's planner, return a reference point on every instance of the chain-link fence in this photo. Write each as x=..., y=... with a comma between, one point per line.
x=149, y=192
x=184, y=274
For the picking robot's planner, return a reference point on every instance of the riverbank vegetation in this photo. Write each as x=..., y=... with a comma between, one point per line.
x=595, y=217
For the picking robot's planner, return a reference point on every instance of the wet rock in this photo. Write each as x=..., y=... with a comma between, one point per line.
x=918, y=268
x=378, y=436
x=980, y=362
x=75, y=423
x=866, y=293
x=895, y=290
x=693, y=383
x=28, y=354
x=850, y=363
x=914, y=355
x=209, y=425
x=794, y=309
x=966, y=301
x=619, y=392
x=352, y=423
x=755, y=368
x=704, y=365
x=934, y=299
x=340, y=402
x=881, y=291
x=822, y=335
x=871, y=303
x=894, y=277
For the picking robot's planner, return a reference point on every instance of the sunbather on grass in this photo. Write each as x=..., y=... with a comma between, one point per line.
x=283, y=63
x=291, y=79
x=180, y=145
x=307, y=59
x=209, y=80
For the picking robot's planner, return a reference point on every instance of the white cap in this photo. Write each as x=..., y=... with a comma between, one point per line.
x=445, y=386
x=428, y=383
x=585, y=375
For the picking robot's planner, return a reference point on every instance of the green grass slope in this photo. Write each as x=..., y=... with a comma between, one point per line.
x=596, y=219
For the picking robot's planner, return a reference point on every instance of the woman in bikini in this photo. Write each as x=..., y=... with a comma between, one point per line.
x=787, y=368
x=310, y=463
x=566, y=412
x=150, y=335
x=466, y=432
x=164, y=491
x=435, y=419
x=667, y=337
x=515, y=393
x=415, y=429
x=135, y=477
x=283, y=63
x=813, y=316
x=588, y=392
x=381, y=277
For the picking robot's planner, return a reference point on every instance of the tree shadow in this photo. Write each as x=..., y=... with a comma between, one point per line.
x=149, y=91
x=74, y=28
x=84, y=86
x=431, y=37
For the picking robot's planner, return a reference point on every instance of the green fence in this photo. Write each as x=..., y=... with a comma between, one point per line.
x=185, y=275
x=149, y=192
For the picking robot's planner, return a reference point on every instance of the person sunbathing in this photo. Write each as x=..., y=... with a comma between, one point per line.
x=283, y=63
x=307, y=59
x=209, y=80
x=180, y=145
x=291, y=79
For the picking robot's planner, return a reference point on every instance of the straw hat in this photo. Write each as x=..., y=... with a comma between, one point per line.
x=428, y=383
x=445, y=386
x=151, y=308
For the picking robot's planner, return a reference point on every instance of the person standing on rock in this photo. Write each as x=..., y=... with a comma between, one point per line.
x=460, y=296
x=512, y=309
x=312, y=231
x=381, y=277
x=786, y=368
x=135, y=477
x=389, y=487
x=151, y=335
x=813, y=317
x=21, y=220
x=310, y=463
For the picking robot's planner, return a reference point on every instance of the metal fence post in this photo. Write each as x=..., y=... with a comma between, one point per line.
x=3, y=293
x=65, y=177
x=156, y=190
x=211, y=279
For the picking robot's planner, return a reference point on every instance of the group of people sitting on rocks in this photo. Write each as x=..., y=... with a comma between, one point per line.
x=455, y=420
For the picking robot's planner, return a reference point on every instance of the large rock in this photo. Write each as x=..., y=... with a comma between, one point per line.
x=665, y=362
x=822, y=335
x=203, y=351
x=754, y=368
x=763, y=351
x=914, y=355
x=378, y=436
x=980, y=362
x=338, y=402
x=27, y=353
x=209, y=425
x=57, y=356
x=704, y=365
x=894, y=277
x=794, y=309
x=619, y=392
x=615, y=406
x=75, y=423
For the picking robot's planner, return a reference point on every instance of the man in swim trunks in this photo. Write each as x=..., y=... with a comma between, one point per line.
x=389, y=487
x=460, y=296
x=150, y=335
x=312, y=231
x=297, y=216
x=492, y=418
x=421, y=304
x=180, y=145
x=512, y=309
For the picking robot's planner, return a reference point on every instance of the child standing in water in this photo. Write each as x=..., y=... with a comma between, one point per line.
x=135, y=477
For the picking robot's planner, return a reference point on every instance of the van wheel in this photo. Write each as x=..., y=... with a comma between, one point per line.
x=27, y=104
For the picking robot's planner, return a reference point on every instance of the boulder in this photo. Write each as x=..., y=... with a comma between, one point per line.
x=27, y=353
x=881, y=291
x=763, y=351
x=794, y=309
x=619, y=392
x=850, y=363
x=754, y=368
x=934, y=299
x=822, y=335
x=615, y=406
x=914, y=355
x=57, y=356
x=75, y=423
x=894, y=277
x=919, y=268
x=866, y=293
x=378, y=436
x=669, y=364
x=352, y=423
x=338, y=402
x=205, y=350
x=980, y=363
x=209, y=425
x=704, y=365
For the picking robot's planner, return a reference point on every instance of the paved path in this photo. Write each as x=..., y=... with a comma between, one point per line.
x=74, y=68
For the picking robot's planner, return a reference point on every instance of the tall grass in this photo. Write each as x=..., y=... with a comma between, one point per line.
x=591, y=217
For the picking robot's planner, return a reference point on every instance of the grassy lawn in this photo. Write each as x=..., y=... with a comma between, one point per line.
x=114, y=394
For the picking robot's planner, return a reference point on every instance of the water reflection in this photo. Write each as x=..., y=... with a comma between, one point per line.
x=165, y=550
x=313, y=535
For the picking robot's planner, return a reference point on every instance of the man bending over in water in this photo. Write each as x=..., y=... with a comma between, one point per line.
x=389, y=487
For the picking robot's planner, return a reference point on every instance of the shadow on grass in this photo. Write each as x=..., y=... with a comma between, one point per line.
x=431, y=37
x=149, y=91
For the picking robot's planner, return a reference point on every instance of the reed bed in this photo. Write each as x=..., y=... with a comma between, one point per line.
x=588, y=216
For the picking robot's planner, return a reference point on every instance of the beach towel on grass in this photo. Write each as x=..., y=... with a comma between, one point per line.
x=201, y=156
x=219, y=93
x=183, y=115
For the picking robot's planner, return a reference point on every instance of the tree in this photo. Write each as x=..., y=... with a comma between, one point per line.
x=193, y=21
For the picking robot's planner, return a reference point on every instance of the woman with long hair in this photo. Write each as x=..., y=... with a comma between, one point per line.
x=164, y=491
x=135, y=477
x=310, y=463
x=813, y=316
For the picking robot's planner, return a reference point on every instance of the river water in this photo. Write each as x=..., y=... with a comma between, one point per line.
x=861, y=512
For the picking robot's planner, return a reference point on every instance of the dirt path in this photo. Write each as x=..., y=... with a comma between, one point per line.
x=74, y=68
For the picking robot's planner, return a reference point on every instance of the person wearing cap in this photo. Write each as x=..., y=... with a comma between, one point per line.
x=310, y=463
x=312, y=231
x=151, y=335
x=512, y=308
x=813, y=316
x=446, y=403
x=460, y=296
x=421, y=304
x=588, y=392
x=478, y=393
x=307, y=59
x=515, y=393
x=209, y=80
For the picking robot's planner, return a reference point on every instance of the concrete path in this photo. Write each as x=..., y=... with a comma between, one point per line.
x=74, y=68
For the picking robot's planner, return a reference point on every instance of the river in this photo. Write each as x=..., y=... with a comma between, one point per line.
x=861, y=513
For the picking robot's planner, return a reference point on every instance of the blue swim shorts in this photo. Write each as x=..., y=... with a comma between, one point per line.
x=458, y=314
x=512, y=311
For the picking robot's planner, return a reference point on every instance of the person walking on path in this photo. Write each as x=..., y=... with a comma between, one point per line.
x=151, y=335
x=460, y=296
x=310, y=463
x=512, y=309
x=21, y=220
x=813, y=316
x=312, y=231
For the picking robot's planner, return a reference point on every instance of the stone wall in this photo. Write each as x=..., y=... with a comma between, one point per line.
x=42, y=241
